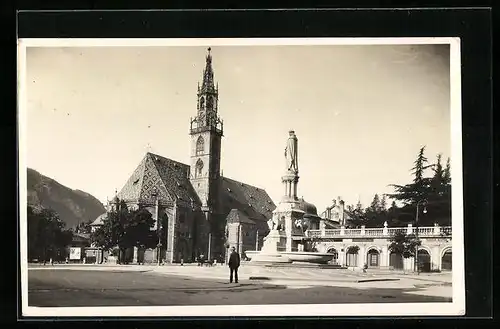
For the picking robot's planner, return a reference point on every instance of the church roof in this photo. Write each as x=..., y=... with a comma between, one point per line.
x=237, y=216
x=171, y=181
x=251, y=200
x=168, y=178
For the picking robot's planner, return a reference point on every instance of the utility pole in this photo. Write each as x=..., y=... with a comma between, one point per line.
x=157, y=219
x=209, y=257
x=238, y=239
x=416, y=234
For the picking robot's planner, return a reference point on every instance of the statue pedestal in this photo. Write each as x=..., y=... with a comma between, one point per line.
x=287, y=213
x=274, y=242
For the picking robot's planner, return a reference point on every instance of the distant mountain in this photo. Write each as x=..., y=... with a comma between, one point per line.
x=73, y=206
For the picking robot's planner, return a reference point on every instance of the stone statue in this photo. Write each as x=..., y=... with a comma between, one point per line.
x=291, y=152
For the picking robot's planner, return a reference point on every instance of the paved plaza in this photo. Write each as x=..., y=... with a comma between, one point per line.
x=133, y=285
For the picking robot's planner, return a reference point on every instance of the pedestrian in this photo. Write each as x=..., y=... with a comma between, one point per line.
x=234, y=263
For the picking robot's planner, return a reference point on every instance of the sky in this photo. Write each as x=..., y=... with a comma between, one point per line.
x=360, y=112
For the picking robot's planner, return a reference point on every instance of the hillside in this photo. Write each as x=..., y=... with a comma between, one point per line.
x=73, y=206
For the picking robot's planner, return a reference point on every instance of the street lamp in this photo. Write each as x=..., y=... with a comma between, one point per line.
x=157, y=218
x=416, y=231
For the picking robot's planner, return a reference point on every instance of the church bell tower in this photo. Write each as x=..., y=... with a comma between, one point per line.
x=206, y=132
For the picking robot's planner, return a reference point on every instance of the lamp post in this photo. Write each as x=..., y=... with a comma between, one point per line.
x=416, y=231
x=238, y=243
x=157, y=219
x=257, y=241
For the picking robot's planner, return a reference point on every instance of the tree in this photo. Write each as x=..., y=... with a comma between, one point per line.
x=84, y=227
x=433, y=192
x=403, y=244
x=375, y=205
x=447, y=172
x=383, y=203
x=358, y=215
x=376, y=214
x=392, y=215
x=125, y=229
x=137, y=229
x=418, y=189
x=47, y=237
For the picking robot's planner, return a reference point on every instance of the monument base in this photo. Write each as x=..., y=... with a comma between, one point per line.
x=270, y=254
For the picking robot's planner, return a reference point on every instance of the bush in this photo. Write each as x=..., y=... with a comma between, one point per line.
x=115, y=252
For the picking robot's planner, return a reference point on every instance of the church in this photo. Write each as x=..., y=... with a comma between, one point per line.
x=206, y=212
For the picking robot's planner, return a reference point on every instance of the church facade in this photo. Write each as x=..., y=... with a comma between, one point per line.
x=205, y=212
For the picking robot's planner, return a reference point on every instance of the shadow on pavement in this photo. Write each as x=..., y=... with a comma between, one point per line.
x=96, y=288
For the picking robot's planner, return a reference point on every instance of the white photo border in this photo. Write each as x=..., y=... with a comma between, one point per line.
x=456, y=307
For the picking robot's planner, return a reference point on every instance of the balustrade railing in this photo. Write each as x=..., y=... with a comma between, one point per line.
x=380, y=232
x=374, y=231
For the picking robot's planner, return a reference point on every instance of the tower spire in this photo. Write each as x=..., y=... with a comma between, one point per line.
x=208, y=74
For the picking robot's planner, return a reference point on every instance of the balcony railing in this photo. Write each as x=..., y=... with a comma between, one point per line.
x=435, y=231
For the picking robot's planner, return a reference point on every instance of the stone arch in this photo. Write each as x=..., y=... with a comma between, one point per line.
x=445, y=250
x=200, y=145
x=373, y=255
x=352, y=255
x=333, y=250
x=423, y=247
x=445, y=259
x=424, y=260
x=372, y=247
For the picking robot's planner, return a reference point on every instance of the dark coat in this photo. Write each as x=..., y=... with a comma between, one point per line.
x=234, y=260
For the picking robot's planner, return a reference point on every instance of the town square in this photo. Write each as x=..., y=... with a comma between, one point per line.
x=228, y=223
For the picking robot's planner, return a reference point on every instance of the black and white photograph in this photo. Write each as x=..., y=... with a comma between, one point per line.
x=241, y=177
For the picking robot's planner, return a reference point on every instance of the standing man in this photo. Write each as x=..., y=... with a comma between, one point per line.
x=234, y=263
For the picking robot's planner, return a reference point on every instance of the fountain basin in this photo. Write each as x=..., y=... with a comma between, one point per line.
x=299, y=256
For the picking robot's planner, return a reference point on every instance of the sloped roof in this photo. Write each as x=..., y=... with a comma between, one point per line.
x=237, y=216
x=99, y=219
x=169, y=178
x=81, y=236
x=253, y=201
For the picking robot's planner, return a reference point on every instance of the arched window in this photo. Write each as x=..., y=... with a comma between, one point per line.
x=202, y=103
x=210, y=103
x=199, y=167
x=200, y=146
x=373, y=258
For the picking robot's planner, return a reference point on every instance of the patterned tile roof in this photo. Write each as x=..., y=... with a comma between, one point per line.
x=237, y=216
x=253, y=201
x=169, y=178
